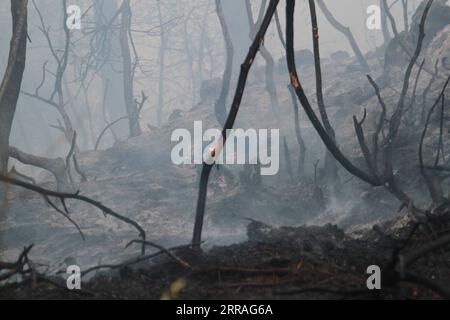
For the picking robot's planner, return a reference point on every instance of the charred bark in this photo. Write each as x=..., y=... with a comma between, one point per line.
x=57, y=167
x=405, y=14
x=298, y=135
x=384, y=26
x=220, y=106
x=162, y=64
x=429, y=173
x=388, y=179
x=245, y=68
x=10, y=87
x=56, y=98
x=63, y=197
x=270, y=64
x=132, y=111
x=328, y=141
x=330, y=163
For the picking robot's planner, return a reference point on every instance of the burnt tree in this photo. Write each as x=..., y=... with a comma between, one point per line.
x=330, y=163
x=242, y=81
x=384, y=25
x=220, y=106
x=385, y=177
x=163, y=37
x=128, y=70
x=12, y=81
x=270, y=64
x=59, y=167
x=56, y=98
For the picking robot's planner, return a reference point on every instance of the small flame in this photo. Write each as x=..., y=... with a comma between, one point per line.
x=294, y=81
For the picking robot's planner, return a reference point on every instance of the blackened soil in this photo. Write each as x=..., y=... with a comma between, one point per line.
x=275, y=263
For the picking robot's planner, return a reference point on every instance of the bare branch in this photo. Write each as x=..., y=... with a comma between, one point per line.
x=74, y=196
x=307, y=106
x=245, y=68
x=220, y=106
x=163, y=249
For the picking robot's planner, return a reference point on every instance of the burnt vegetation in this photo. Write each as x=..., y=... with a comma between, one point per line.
x=364, y=153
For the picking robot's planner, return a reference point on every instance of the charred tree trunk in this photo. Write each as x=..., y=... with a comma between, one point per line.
x=62, y=66
x=58, y=167
x=220, y=107
x=131, y=107
x=56, y=98
x=330, y=163
x=190, y=61
x=78, y=116
x=201, y=46
x=430, y=175
x=270, y=64
x=162, y=63
x=384, y=25
x=242, y=81
x=388, y=179
x=299, y=91
x=10, y=87
x=405, y=14
x=105, y=12
x=298, y=134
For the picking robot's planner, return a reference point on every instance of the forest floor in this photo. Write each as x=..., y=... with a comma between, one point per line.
x=275, y=263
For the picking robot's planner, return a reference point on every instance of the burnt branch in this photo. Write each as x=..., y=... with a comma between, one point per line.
x=388, y=179
x=402, y=44
x=18, y=267
x=431, y=179
x=318, y=71
x=220, y=106
x=74, y=196
x=396, y=119
x=11, y=83
x=362, y=142
x=57, y=166
x=77, y=168
x=108, y=127
x=56, y=98
x=132, y=261
x=328, y=141
x=298, y=134
x=398, y=113
x=128, y=70
x=162, y=249
x=396, y=270
x=329, y=162
x=65, y=213
x=254, y=26
x=380, y=124
x=69, y=156
x=245, y=68
x=287, y=157
x=279, y=30
x=14, y=173
x=441, y=131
